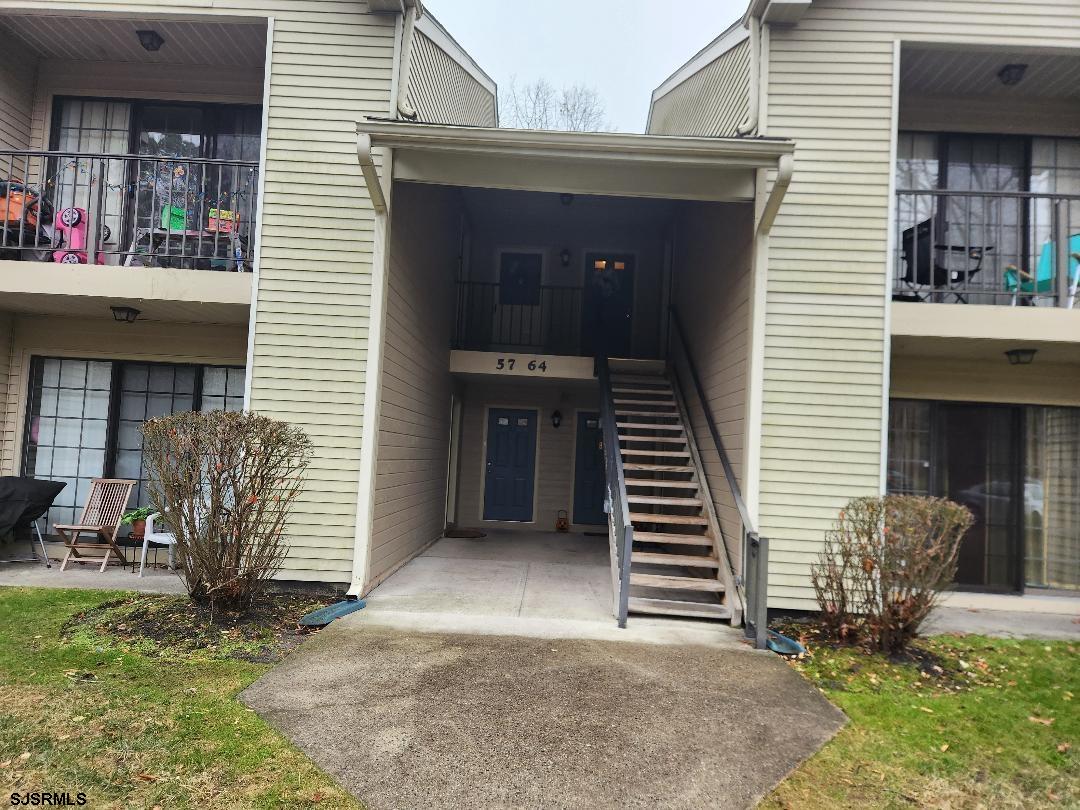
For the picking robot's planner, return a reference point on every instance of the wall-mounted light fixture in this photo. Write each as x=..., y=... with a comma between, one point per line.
x=1011, y=75
x=564, y=257
x=150, y=39
x=1020, y=357
x=556, y=418
x=125, y=314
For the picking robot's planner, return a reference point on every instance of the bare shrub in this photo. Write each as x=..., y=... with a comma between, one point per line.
x=225, y=484
x=884, y=564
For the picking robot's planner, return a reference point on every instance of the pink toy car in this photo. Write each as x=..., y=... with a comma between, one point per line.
x=71, y=227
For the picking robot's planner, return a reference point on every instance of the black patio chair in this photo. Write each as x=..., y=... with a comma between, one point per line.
x=924, y=277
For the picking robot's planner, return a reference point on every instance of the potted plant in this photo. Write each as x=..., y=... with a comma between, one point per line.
x=136, y=519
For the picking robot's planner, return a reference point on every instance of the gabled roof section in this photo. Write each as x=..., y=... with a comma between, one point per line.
x=434, y=30
x=735, y=34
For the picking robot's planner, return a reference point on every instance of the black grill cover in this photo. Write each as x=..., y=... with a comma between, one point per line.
x=23, y=500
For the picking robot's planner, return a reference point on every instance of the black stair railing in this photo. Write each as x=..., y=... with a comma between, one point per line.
x=755, y=547
x=620, y=529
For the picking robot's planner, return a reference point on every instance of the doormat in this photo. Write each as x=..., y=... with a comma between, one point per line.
x=468, y=534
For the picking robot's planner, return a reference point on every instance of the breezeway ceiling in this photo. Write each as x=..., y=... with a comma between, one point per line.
x=941, y=71
x=224, y=44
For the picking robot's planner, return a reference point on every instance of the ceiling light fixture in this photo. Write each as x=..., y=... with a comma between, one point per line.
x=1011, y=75
x=125, y=314
x=1020, y=357
x=150, y=39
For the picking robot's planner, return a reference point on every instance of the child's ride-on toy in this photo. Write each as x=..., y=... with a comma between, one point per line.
x=71, y=227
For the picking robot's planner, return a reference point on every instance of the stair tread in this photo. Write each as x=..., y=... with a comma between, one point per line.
x=649, y=482
x=659, y=414
x=687, y=560
x=674, y=539
x=630, y=451
x=647, y=426
x=668, y=403
x=622, y=389
x=623, y=437
x=673, y=607
x=685, y=583
x=663, y=501
x=657, y=467
x=651, y=517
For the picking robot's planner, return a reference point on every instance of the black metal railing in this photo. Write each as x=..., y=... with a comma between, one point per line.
x=490, y=317
x=755, y=549
x=132, y=210
x=987, y=247
x=620, y=529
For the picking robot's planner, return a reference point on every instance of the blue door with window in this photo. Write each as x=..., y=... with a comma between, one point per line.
x=589, y=471
x=511, y=465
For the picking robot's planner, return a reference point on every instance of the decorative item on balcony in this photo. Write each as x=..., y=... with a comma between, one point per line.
x=1021, y=357
x=150, y=39
x=556, y=418
x=125, y=314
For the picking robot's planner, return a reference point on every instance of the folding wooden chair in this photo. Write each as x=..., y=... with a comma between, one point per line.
x=100, y=518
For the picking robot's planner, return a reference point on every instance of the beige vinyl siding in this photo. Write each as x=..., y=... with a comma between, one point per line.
x=554, y=484
x=414, y=420
x=984, y=380
x=830, y=82
x=443, y=92
x=713, y=101
x=99, y=338
x=1036, y=116
x=332, y=66
x=17, y=77
x=713, y=252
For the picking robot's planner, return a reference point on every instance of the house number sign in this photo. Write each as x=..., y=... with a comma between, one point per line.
x=519, y=364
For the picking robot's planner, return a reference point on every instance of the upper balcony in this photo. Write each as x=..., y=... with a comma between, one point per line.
x=987, y=207
x=128, y=144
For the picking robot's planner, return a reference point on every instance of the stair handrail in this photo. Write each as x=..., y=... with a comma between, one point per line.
x=620, y=529
x=755, y=547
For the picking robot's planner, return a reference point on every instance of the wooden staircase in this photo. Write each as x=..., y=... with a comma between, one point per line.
x=678, y=565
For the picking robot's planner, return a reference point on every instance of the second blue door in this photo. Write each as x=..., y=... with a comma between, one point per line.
x=511, y=465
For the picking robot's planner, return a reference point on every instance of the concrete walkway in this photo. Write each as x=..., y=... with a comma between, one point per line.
x=447, y=720
x=113, y=578
x=1007, y=616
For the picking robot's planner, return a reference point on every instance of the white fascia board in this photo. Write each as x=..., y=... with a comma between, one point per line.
x=433, y=30
x=733, y=36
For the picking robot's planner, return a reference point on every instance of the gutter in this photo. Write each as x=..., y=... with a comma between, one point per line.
x=370, y=172
x=784, y=169
x=750, y=124
x=408, y=36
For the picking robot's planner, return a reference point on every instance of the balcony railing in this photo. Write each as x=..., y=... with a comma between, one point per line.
x=984, y=247
x=488, y=319
x=131, y=210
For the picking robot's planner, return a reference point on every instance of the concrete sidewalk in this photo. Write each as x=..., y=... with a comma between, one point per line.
x=446, y=720
x=1006, y=616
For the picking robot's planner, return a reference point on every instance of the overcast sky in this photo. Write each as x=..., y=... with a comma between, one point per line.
x=623, y=48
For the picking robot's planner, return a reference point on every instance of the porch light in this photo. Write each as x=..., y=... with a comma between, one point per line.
x=556, y=418
x=1020, y=357
x=1012, y=74
x=125, y=314
x=564, y=257
x=150, y=39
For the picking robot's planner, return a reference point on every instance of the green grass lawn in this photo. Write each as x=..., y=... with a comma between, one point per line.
x=132, y=726
x=978, y=722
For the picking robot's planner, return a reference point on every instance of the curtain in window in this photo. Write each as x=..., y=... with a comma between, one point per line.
x=909, y=448
x=1052, y=498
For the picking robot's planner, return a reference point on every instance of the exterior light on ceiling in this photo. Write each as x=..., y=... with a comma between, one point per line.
x=564, y=257
x=150, y=39
x=1020, y=357
x=1012, y=74
x=125, y=314
x=556, y=418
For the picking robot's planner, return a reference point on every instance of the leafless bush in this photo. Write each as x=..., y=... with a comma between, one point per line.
x=884, y=564
x=225, y=483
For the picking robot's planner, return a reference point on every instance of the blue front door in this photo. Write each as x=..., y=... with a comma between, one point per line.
x=589, y=471
x=511, y=463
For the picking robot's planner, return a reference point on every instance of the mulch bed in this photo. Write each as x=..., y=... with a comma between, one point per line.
x=174, y=625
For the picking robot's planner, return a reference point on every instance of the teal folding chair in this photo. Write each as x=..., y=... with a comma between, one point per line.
x=1043, y=282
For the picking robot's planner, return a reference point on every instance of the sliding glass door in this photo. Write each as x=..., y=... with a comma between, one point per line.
x=1017, y=468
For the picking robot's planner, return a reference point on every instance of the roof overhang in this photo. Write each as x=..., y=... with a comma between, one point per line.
x=777, y=12
x=601, y=163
